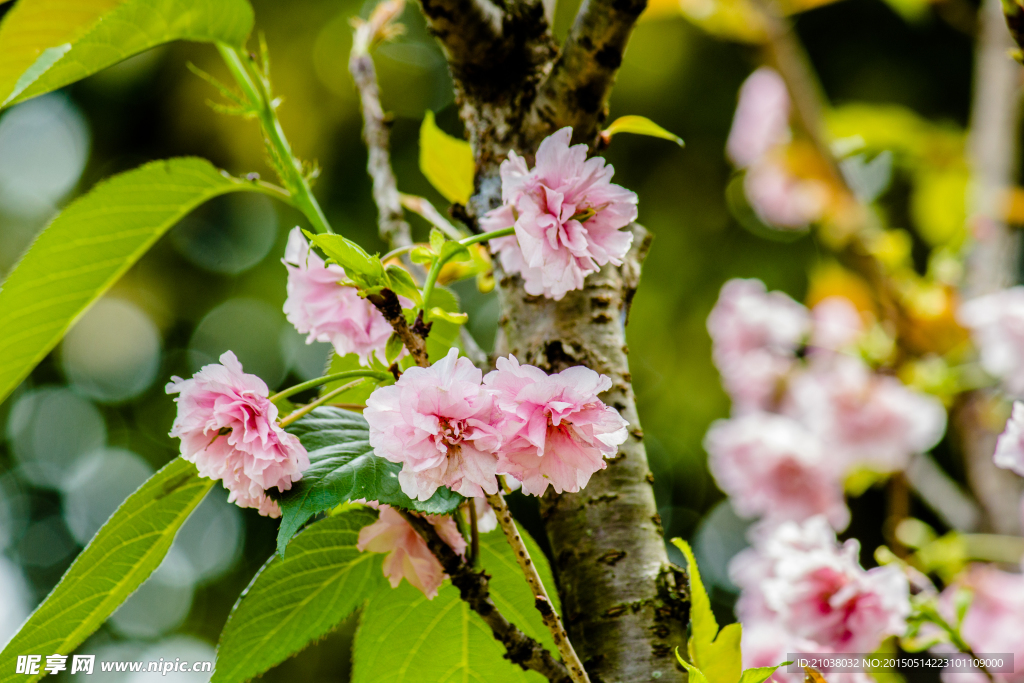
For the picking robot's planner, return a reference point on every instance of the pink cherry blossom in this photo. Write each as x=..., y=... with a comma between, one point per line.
x=994, y=621
x=996, y=322
x=440, y=424
x=781, y=199
x=771, y=466
x=755, y=335
x=567, y=213
x=408, y=556
x=556, y=430
x=837, y=324
x=761, y=121
x=814, y=590
x=1009, y=453
x=227, y=426
x=867, y=419
x=326, y=311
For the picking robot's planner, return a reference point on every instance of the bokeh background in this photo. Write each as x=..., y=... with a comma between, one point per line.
x=91, y=422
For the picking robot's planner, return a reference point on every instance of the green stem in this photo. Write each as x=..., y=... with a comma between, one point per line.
x=298, y=186
x=435, y=268
x=298, y=388
x=398, y=251
x=309, y=407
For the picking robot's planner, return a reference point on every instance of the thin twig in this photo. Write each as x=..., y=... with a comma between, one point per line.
x=380, y=27
x=423, y=207
x=474, y=588
x=540, y=593
x=309, y=407
x=414, y=338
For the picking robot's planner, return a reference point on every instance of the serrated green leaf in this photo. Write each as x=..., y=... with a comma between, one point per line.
x=695, y=674
x=640, y=125
x=437, y=240
x=401, y=282
x=343, y=466
x=405, y=638
x=122, y=554
x=722, y=661
x=88, y=247
x=422, y=255
x=360, y=266
x=446, y=162
x=297, y=599
x=453, y=251
x=702, y=619
x=51, y=43
x=759, y=674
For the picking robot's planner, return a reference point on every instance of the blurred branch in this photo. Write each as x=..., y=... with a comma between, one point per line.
x=467, y=29
x=380, y=27
x=257, y=94
x=576, y=92
x=474, y=588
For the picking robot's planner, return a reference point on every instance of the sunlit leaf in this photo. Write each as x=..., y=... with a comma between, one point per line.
x=51, y=43
x=122, y=554
x=758, y=674
x=446, y=162
x=88, y=247
x=343, y=467
x=360, y=266
x=639, y=125
x=296, y=599
x=405, y=638
x=444, y=331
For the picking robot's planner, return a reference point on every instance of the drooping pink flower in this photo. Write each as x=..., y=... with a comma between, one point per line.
x=996, y=322
x=814, y=590
x=408, y=556
x=771, y=466
x=837, y=324
x=994, y=621
x=755, y=334
x=326, y=311
x=1009, y=453
x=867, y=419
x=227, y=426
x=556, y=430
x=567, y=213
x=440, y=424
x=761, y=122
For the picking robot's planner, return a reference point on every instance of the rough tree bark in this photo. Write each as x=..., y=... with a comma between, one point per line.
x=622, y=600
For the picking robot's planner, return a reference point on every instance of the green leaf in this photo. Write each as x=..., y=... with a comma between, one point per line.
x=401, y=282
x=364, y=269
x=759, y=674
x=405, y=638
x=297, y=599
x=718, y=658
x=122, y=554
x=344, y=467
x=394, y=348
x=640, y=125
x=443, y=333
x=437, y=240
x=446, y=162
x=88, y=247
x=51, y=43
x=695, y=674
x=453, y=251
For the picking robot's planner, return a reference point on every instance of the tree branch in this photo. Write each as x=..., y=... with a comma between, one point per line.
x=474, y=588
x=543, y=601
x=414, y=337
x=576, y=92
x=380, y=27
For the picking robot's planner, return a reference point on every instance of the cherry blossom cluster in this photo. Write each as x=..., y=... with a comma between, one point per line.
x=758, y=143
x=228, y=428
x=802, y=591
x=996, y=322
x=448, y=425
x=807, y=410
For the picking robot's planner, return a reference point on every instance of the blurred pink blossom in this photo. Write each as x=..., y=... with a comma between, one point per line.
x=761, y=121
x=555, y=429
x=567, y=213
x=771, y=466
x=782, y=199
x=326, y=311
x=837, y=324
x=227, y=426
x=408, y=556
x=866, y=419
x=812, y=589
x=994, y=621
x=996, y=322
x=755, y=335
x=441, y=425
x=1009, y=453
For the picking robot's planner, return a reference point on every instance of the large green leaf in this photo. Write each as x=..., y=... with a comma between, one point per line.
x=297, y=599
x=405, y=638
x=88, y=247
x=447, y=162
x=124, y=552
x=343, y=466
x=48, y=44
